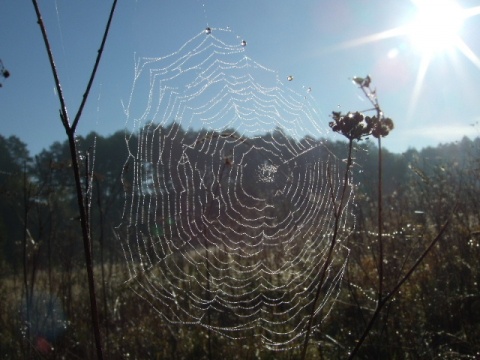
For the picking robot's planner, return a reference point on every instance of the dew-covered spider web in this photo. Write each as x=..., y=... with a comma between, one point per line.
x=230, y=195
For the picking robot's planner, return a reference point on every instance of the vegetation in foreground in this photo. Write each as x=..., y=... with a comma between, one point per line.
x=435, y=315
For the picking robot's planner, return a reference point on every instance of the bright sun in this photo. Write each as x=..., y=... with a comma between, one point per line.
x=433, y=31
x=436, y=26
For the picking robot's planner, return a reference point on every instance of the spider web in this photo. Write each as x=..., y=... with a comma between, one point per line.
x=229, y=195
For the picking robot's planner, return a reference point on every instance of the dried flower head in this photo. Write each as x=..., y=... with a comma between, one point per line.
x=353, y=126
x=382, y=127
x=356, y=126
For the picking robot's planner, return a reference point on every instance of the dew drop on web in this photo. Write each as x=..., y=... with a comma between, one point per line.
x=244, y=43
x=289, y=77
x=208, y=31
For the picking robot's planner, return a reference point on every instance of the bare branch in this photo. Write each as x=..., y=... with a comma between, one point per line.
x=95, y=67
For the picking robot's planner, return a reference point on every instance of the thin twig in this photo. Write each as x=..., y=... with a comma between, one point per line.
x=371, y=96
x=380, y=217
x=397, y=287
x=63, y=107
x=95, y=67
x=338, y=209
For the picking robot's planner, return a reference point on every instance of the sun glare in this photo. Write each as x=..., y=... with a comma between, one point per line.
x=434, y=30
x=436, y=26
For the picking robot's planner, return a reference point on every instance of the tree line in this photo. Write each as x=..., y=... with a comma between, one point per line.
x=40, y=245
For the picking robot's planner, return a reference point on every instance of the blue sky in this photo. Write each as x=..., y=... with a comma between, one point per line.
x=321, y=43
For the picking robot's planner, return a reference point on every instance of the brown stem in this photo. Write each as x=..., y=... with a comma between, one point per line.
x=70, y=130
x=338, y=210
x=397, y=287
x=370, y=94
x=95, y=67
x=63, y=107
x=84, y=221
x=380, y=219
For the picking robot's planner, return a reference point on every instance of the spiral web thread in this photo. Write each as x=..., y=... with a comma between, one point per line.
x=228, y=212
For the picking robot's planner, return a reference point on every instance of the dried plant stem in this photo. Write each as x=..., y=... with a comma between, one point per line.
x=380, y=219
x=338, y=209
x=70, y=129
x=384, y=300
x=349, y=126
x=371, y=95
